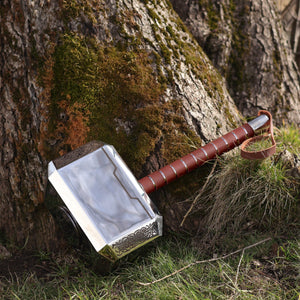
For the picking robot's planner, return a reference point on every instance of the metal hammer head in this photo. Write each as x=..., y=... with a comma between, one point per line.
x=105, y=199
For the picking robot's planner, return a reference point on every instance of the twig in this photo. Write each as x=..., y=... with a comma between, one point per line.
x=238, y=268
x=199, y=194
x=204, y=261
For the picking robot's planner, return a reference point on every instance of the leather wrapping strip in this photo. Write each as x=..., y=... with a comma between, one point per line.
x=169, y=173
x=210, y=150
x=158, y=179
x=231, y=140
x=241, y=135
x=147, y=184
x=190, y=162
x=237, y=136
x=249, y=130
x=221, y=146
x=179, y=167
x=200, y=156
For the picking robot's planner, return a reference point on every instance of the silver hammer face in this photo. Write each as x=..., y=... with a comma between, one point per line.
x=105, y=199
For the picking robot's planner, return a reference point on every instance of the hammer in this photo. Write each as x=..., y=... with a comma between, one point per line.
x=110, y=205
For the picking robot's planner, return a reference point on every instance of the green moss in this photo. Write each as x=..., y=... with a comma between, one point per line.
x=201, y=68
x=166, y=53
x=179, y=139
x=170, y=76
x=180, y=26
x=170, y=31
x=230, y=117
x=72, y=9
x=278, y=73
x=213, y=16
x=169, y=4
x=119, y=92
x=153, y=15
x=171, y=45
x=115, y=87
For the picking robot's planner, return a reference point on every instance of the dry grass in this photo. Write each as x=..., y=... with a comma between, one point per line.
x=249, y=191
x=243, y=195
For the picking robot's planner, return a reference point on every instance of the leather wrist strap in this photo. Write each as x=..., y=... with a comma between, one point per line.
x=264, y=153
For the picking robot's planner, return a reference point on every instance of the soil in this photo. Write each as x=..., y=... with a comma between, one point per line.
x=24, y=263
x=45, y=268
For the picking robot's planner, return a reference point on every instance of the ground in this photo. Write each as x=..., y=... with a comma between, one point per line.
x=267, y=271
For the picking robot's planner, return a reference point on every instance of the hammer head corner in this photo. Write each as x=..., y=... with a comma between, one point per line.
x=105, y=199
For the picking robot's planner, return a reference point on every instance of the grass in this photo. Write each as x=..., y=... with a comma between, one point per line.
x=261, y=195
x=253, y=274
x=289, y=138
x=246, y=202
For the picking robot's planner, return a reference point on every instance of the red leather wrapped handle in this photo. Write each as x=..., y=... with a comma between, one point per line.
x=197, y=158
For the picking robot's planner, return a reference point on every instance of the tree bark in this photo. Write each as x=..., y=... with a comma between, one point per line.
x=127, y=73
x=23, y=220
x=247, y=44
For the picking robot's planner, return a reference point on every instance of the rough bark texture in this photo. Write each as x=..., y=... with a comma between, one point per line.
x=290, y=18
x=128, y=73
x=246, y=43
x=22, y=169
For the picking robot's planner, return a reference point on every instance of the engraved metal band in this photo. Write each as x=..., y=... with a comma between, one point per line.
x=216, y=148
x=245, y=130
x=153, y=182
x=225, y=142
x=174, y=170
x=186, y=167
x=195, y=158
x=163, y=175
x=204, y=152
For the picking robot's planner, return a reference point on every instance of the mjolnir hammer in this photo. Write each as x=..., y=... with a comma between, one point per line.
x=111, y=207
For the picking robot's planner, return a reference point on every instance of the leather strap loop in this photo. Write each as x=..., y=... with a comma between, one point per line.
x=262, y=154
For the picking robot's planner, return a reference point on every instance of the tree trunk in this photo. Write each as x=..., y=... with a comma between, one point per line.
x=22, y=168
x=247, y=44
x=128, y=73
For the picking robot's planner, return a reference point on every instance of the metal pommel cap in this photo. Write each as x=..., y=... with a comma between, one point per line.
x=258, y=122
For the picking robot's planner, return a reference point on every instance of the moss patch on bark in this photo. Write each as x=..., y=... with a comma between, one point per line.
x=108, y=93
